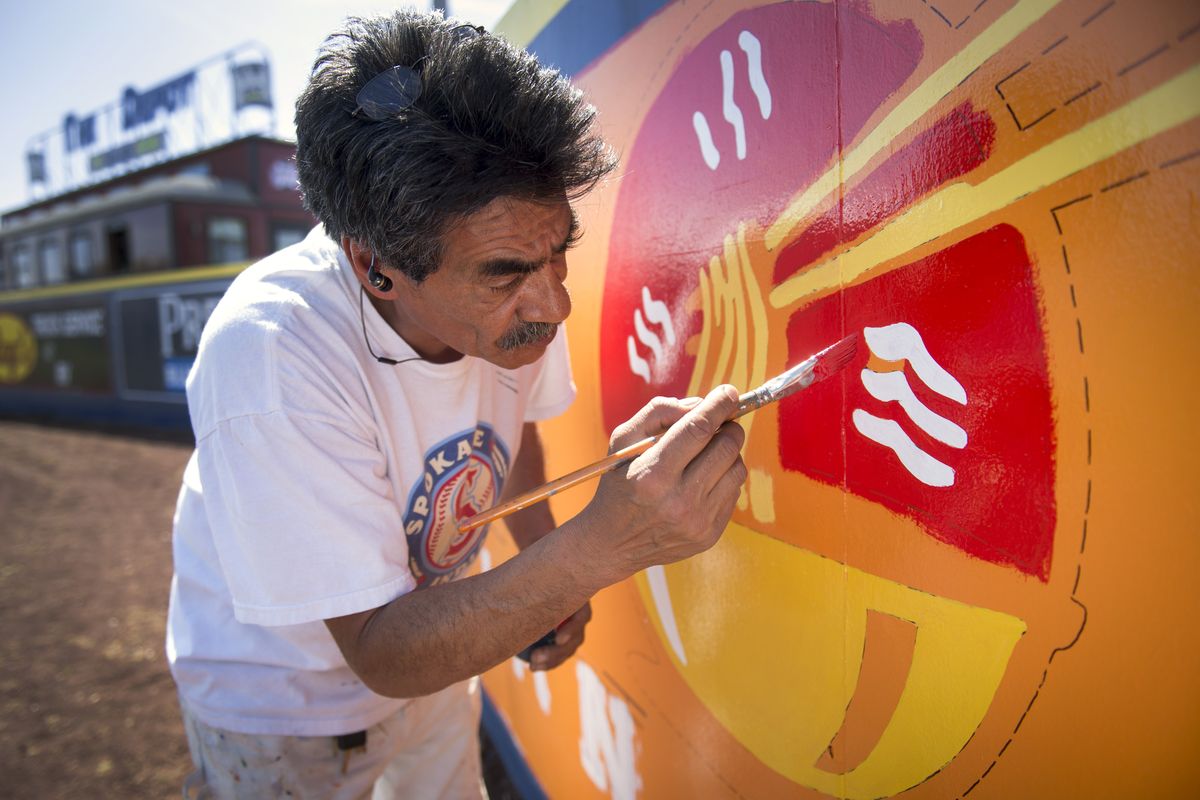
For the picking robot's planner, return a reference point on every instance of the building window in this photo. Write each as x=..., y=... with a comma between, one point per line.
x=26, y=270
x=286, y=236
x=118, y=249
x=227, y=240
x=54, y=268
x=83, y=263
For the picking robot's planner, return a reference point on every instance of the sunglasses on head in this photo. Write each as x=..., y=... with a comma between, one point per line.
x=397, y=88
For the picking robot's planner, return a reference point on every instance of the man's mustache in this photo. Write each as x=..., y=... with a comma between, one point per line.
x=525, y=333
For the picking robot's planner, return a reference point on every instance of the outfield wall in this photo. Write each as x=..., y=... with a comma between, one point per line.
x=965, y=567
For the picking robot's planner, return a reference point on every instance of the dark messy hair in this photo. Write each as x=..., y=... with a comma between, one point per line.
x=490, y=122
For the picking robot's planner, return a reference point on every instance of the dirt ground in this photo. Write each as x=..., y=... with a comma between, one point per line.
x=87, y=704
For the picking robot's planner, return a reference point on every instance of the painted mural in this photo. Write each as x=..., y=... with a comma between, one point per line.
x=965, y=566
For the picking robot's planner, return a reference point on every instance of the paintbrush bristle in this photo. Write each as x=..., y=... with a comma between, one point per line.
x=836, y=357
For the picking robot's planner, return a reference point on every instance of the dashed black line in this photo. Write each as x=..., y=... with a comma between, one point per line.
x=1084, y=93
x=1179, y=160
x=1066, y=262
x=1079, y=328
x=1087, y=506
x=1125, y=181
x=1021, y=721
x=1162, y=48
x=1057, y=224
x=1056, y=44
x=1149, y=56
x=1009, y=76
x=1083, y=540
x=1087, y=406
x=946, y=19
x=1073, y=303
x=1097, y=14
x=972, y=787
x=1078, y=572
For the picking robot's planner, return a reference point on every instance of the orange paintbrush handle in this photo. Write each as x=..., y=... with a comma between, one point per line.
x=544, y=491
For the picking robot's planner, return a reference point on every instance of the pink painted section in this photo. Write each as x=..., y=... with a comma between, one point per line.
x=674, y=210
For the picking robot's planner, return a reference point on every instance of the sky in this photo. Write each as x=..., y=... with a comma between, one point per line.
x=59, y=56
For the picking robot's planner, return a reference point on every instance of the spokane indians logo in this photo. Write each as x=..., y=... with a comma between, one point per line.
x=463, y=476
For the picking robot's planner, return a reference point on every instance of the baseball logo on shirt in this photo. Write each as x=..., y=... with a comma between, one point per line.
x=463, y=476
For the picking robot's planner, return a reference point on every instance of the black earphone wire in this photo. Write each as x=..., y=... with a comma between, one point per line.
x=362, y=318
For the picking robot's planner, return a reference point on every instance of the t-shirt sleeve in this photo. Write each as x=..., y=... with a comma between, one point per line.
x=303, y=518
x=553, y=388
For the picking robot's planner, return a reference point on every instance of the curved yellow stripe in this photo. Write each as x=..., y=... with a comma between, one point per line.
x=1173, y=103
x=908, y=111
x=525, y=19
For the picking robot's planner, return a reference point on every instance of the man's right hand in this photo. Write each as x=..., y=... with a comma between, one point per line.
x=674, y=500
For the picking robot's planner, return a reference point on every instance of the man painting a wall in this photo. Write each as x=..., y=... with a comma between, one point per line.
x=357, y=394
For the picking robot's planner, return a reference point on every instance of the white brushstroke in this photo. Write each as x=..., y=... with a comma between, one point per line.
x=921, y=465
x=485, y=559
x=647, y=336
x=658, y=313
x=733, y=114
x=519, y=668
x=638, y=365
x=607, y=746
x=541, y=687
x=901, y=341
x=893, y=386
x=712, y=157
x=750, y=44
x=657, y=578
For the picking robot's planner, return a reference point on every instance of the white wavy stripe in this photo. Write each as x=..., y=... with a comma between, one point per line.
x=647, y=336
x=902, y=341
x=924, y=467
x=893, y=386
x=712, y=157
x=750, y=45
x=733, y=114
x=638, y=365
x=658, y=313
x=657, y=578
x=541, y=688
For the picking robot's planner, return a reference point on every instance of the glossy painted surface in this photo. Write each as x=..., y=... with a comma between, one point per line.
x=965, y=567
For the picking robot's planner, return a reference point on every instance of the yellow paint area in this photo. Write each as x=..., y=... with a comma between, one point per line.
x=1172, y=103
x=734, y=323
x=810, y=614
x=908, y=111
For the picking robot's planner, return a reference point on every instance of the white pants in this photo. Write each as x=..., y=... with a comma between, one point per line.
x=427, y=749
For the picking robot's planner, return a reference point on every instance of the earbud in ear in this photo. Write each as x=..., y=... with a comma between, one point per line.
x=378, y=280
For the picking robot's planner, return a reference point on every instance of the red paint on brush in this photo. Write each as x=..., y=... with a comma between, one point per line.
x=952, y=147
x=975, y=308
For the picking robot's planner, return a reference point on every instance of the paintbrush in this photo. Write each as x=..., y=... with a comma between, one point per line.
x=809, y=371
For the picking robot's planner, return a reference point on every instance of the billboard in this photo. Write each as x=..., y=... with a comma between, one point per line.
x=221, y=99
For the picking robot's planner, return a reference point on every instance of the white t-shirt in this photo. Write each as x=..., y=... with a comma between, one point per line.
x=323, y=484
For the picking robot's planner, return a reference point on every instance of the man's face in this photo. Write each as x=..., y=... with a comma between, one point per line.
x=498, y=293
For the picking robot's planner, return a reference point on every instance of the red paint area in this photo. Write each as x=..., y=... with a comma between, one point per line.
x=975, y=307
x=953, y=146
x=674, y=211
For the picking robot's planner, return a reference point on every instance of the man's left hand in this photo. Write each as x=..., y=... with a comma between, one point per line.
x=568, y=636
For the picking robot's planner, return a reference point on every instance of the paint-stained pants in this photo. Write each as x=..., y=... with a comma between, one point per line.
x=427, y=749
